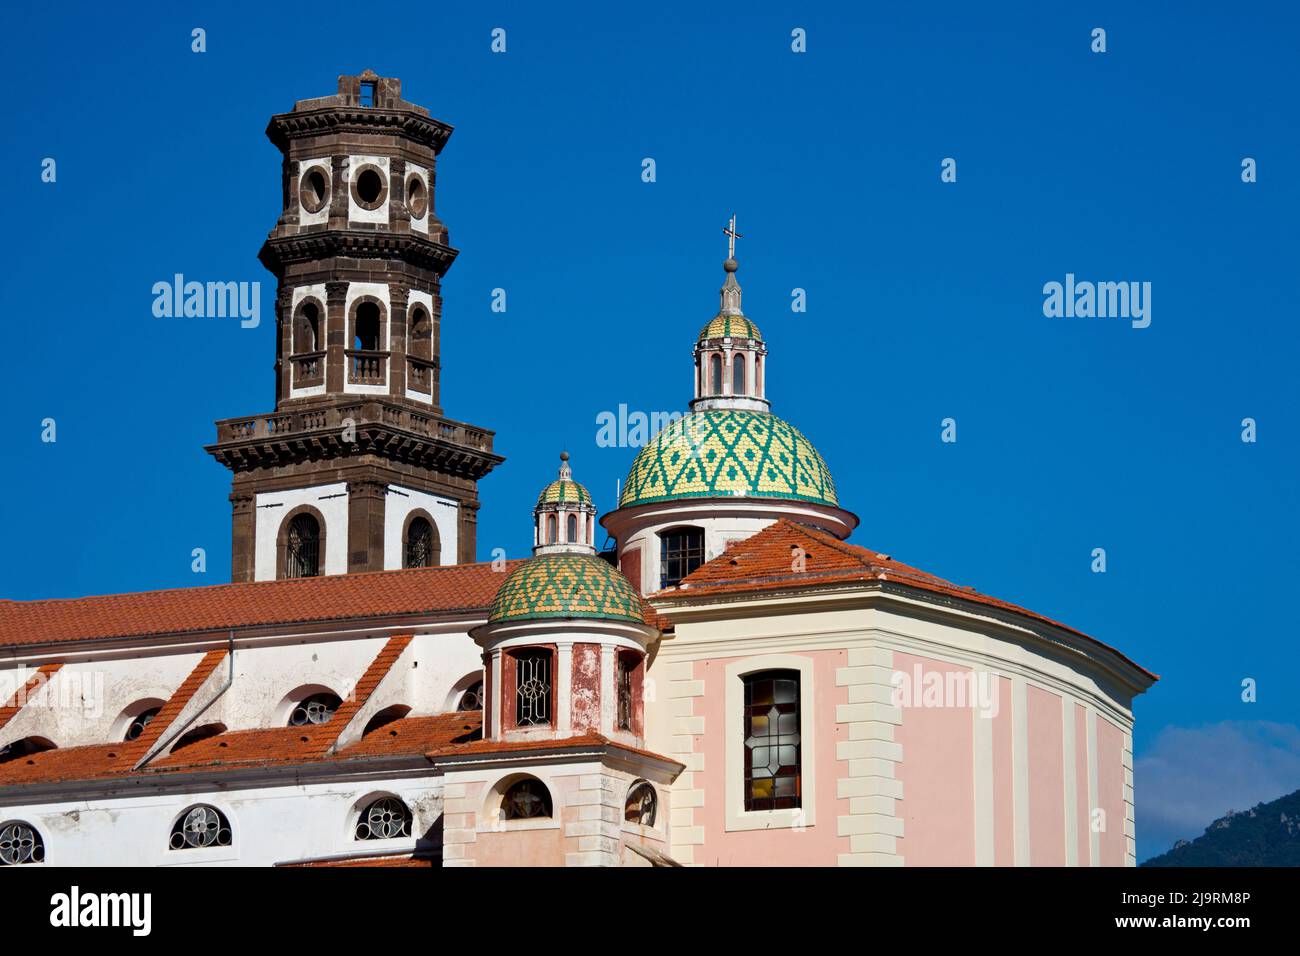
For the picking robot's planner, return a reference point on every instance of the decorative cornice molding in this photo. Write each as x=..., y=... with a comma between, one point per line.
x=369, y=121
x=279, y=251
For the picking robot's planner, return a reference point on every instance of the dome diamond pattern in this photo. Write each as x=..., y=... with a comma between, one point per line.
x=566, y=585
x=724, y=453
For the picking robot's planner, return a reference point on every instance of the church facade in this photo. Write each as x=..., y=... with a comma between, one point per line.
x=732, y=684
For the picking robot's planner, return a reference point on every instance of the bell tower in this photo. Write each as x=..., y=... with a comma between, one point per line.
x=357, y=469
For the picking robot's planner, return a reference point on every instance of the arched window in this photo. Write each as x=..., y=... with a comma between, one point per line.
x=641, y=805
x=738, y=374
x=302, y=543
x=24, y=748
x=421, y=551
x=420, y=333
x=715, y=374
x=385, y=717
x=316, y=709
x=550, y=529
x=385, y=819
x=532, y=686
x=472, y=699
x=772, y=753
x=528, y=799
x=197, y=734
x=758, y=376
x=200, y=826
x=20, y=843
x=681, y=551
x=139, y=722
x=572, y=529
x=306, y=330
x=366, y=329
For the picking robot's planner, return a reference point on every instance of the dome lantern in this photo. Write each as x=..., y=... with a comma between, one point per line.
x=730, y=355
x=564, y=519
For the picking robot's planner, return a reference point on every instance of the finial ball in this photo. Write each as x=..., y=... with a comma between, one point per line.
x=731, y=265
x=564, y=456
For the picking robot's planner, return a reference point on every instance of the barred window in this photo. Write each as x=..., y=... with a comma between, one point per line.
x=200, y=826
x=772, y=755
x=526, y=800
x=385, y=819
x=303, y=547
x=419, y=544
x=681, y=551
x=642, y=804
x=316, y=709
x=626, y=665
x=20, y=843
x=532, y=687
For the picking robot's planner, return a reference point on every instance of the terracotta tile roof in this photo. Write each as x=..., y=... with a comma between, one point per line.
x=767, y=562
x=167, y=714
x=469, y=748
x=416, y=735
x=24, y=693
x=267, y=746
x=459, y=587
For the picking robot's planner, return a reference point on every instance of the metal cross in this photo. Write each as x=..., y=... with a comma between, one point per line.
x=732, y=236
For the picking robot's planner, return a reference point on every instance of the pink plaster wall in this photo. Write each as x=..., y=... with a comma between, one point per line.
x=817, y=845
x=1004, y=817
x=1081, y=783
x=1110, y=791
x=938, y=775
x=519, y=848
x=1046, y=778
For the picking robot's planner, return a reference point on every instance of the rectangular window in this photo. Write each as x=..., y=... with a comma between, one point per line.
x=532, y=687
x=367, y=94
x=681, y=551
x=772, y=747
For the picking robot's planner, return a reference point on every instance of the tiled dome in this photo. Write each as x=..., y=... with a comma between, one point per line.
x=730, y=326
x=564, y=491
x=566, y=586
x=729, y=453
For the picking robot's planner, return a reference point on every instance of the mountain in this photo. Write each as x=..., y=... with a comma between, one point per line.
x=1266, y=835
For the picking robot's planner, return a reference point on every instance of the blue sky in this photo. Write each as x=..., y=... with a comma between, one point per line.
x=924, y=298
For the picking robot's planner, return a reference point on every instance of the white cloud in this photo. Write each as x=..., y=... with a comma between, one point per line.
x=1190, y=776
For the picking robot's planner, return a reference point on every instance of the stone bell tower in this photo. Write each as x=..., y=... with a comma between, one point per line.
x=357, y=469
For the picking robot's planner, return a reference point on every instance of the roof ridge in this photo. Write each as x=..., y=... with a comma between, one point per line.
x=168, y=714
x=240, y=585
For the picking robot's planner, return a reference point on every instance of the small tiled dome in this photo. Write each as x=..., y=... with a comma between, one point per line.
x=729, y=453
x=566, y=586
x=564, y=491
x=730, y=327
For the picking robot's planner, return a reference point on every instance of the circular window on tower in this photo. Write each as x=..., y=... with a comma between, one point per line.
x=417, y=197
x=369, y=187
x=314, y=189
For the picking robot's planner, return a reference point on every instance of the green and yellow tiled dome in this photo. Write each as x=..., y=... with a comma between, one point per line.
x=730, y=326
x=726, y=453
x=564, y=491
x=566, y=586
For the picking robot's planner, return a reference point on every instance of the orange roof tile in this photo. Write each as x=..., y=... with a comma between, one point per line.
x=458, y=587
x=789, y=555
